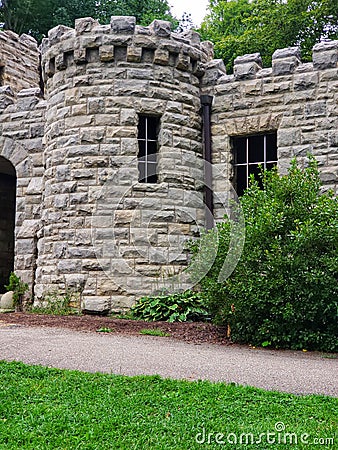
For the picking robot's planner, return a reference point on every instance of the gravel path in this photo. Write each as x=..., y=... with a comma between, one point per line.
x=294, y=372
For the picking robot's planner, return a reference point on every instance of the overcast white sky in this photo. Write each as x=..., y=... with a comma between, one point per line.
x=197, y=9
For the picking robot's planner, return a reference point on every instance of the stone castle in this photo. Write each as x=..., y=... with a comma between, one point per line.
x=104, y=135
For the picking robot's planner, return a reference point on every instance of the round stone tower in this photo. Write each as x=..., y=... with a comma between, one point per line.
x=123, y=159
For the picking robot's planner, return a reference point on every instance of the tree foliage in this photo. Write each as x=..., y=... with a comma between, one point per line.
x=145, y=11
x=36, y=17
x=238, y=27
x=284, y=290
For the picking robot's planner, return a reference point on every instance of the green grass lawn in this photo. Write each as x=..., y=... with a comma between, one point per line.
x=42, y=408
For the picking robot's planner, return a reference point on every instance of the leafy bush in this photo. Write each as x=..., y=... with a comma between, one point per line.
x=186, y=306
x=19, y=289
x=284, y=291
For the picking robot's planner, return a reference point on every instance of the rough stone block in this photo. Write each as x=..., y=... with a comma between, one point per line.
x=161, y=28
x=315, y=109
x=6, y=97
x=76, y=282
x=69, y=266
x=29, y=41
x=25, y=246
x=208, y=48
x=35, y=186
x=96, y=305
x=122, y=24
x=134, y=54
x=249, y=58
x=325, y=55
x=285, y=66
x=305, y=81
x=6, y=90
x=80, y=55
x=85, y=25
x=6, y=301
x=161, y=57
x=106, y=53
x=28, y=229
x=246, y=71
x=58, y=33
x=287, y=53
x=183, y=62
x=289, y=137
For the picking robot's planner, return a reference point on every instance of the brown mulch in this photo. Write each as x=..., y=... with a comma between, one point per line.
x=193, y=332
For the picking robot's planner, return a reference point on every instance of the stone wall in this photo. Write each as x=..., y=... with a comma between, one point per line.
x=19, y=61
x=104, y=232
x=297, y=100
x=22, y=110
x=83, y=220
x=21, y=143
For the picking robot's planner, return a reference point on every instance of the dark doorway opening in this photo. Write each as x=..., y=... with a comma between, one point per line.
x=7, y=220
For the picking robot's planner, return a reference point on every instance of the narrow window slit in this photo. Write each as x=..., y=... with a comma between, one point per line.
x=148, y=129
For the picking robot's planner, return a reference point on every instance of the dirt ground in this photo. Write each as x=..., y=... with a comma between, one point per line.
x=193, y=332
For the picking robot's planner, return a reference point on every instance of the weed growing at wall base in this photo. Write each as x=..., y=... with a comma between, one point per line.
x=59, y=304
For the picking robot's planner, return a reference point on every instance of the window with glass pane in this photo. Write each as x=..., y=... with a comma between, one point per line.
x=251, y=152
x=148, y=129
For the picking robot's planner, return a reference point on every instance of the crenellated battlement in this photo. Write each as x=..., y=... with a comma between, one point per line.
x=285, y=62
x=124, y=41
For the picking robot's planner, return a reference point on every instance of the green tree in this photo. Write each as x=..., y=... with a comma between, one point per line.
x=16, y=15
x=36, y=17
x=238, y=27
x=145, y=11
x=284, y=290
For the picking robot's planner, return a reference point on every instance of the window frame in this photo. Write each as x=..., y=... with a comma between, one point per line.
x=248, y=160
x=144, y=159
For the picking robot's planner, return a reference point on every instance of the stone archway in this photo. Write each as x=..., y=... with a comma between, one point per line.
x=7, y=219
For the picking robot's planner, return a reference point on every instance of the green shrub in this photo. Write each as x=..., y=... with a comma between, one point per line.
x=19, y=289
x=284, y=291
x=186, y=306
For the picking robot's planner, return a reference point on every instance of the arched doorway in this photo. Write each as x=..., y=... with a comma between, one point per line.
x=7, y=220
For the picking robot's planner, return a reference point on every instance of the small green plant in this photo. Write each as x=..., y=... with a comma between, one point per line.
x=329, y=356
x=154, y=332
x=121, y=315
x=105, y=330
x=186, y=306
x=61, y=305
x=19, y=289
